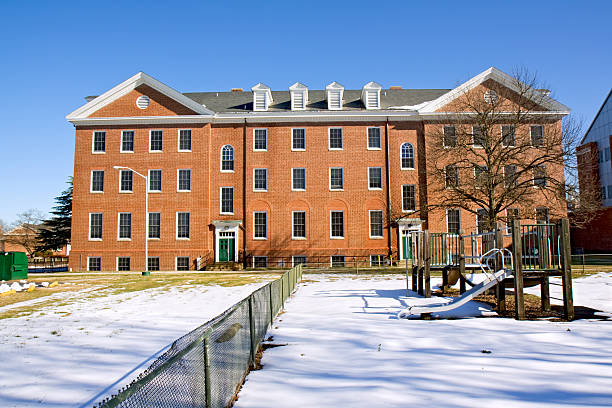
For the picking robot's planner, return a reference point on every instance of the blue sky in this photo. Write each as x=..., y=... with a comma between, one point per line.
x=52, y=54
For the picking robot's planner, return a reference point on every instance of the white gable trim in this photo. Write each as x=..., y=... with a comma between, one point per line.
x=496, y=75
x=127, y=86
x=595, y=118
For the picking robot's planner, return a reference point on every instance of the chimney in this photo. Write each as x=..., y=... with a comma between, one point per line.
x=395, y=87
x=236, y=89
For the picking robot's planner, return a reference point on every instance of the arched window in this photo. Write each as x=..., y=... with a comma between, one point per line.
x=407, y=156
x=227, y=158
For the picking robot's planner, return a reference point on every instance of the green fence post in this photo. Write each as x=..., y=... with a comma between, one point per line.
x=252, y=331
x=207, y=385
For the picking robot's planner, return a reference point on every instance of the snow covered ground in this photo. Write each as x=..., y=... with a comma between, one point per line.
x=67, y=354
x=346, y=348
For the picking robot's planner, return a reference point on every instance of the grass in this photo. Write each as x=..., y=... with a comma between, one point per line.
x=89, y=286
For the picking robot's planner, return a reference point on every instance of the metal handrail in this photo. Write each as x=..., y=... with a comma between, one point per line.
x=486, y=257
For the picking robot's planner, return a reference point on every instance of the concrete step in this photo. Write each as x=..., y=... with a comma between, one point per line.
x=225, y=266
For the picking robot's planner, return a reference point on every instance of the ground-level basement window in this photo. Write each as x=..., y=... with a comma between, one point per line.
x=153, y=263
x=377, y=260
x=299, y=260
x=182, y=263
x=337, y=261
x=123, y=263
x=94, y=263
x=260, y=261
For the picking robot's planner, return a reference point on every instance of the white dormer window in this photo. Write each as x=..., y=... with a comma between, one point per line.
x=262, y=97
x=335, y=93
x=299, y=96
x=370, y=95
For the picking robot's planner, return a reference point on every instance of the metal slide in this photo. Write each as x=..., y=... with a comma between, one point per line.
x=491, y=279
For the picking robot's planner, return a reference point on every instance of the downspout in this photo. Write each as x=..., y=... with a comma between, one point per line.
x=388, y=173
x=244, y=203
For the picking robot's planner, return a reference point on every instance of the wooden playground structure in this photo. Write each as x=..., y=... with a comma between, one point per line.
x=538, y=251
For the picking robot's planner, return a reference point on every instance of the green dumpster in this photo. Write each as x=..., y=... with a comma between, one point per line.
x=13, y=266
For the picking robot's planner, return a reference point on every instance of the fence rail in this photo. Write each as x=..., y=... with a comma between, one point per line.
x=36, y=265
x=205, y=367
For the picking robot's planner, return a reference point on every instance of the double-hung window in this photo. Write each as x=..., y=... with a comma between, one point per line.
x=94, y=263
x=510, y=176
x=452, y=176
x=481, y=175
x=337, y=224
x=155, y=180
x=126, y=181
x=508, y=136
x=184, y=180
x=453, y=222
x=335, y=138
x=154, y=225
x=260, y=179
x=153, y=263
x=539, y=176
x=450, y=136
x=374, y=178
x=125, y=225
x=227, y=158
x=478, y=136
x=260, y=225
x=182, y=225
x=99, y=142
x=298, y=179
x=156, y=141
x=374, y=138
x=260, y=140
x=227, y=200
x=182, y=263
x=97, y=181
x=542, y=215
x=376, y=224
x=127, y=141
x=299, y=224
x=123, y=263
x=184, y=141
x=511, y=215
x=336, y=178
x=409, y=197
x=298, y=139
x=537, y=135
x=95, y=226
x=482, y=218
x=407, y=156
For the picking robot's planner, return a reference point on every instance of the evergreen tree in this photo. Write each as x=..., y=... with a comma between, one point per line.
x=55, y=232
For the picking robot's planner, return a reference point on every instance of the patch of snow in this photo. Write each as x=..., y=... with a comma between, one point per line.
x=346, y=347
x=4, y=288
x=410, y=107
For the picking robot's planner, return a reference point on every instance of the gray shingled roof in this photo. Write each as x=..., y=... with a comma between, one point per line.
x=243, y=101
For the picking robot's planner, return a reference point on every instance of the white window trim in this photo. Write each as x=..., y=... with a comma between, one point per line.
x=331, y=263
x=89, y=229
x=293, y=225
x=444, y=137
x=90, y=257
x=221, y=200
x=330, y=186
x=150, y=133
x=121, y=142
x=260, y=150
x=260, y=238
x=329, y=139
x=149, y=181
x=117, y=263
x=93, y=141
x=298, y=189
x=402, y=197
x=382, y=260
x=370, y=225
x=178, y=145
x=296, y=256
x=343, y=225
x=176, y=226
x=260, y=256
x=458, y=209
x=531, y=135
x=475, y=146
x=119, y=226
x=368, y=138
x=298, y=150
x=178, y=172
x=148, y=226
x=126, y=191
x=370, y=188
x=260, y=190
x=91, y=190
x=501, y=130
x=534, y=179
x=535, y=217
x=176, y=262
x=401, y=158
x=221, y=159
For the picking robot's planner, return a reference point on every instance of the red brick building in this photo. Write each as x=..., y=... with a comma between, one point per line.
x=307, y=175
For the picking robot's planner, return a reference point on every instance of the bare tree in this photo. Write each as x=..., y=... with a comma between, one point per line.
x=25, y=231
x=503, y=154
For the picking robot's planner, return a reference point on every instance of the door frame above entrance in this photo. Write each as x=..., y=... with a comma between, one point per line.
x=227, y=226
x=406, y=224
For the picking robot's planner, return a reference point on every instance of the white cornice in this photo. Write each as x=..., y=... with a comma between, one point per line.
x=127, y=86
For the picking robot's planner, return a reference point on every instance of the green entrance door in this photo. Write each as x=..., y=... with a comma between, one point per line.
x=226, y=249
x=407, y=246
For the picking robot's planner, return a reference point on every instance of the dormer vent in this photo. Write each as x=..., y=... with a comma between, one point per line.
x=299, y=96
x=262, y=97
x=335, y=93
x=370, y=95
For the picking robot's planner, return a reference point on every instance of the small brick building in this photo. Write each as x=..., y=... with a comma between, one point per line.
x=269, y=176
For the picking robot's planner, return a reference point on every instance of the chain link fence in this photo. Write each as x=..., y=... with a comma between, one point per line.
x=206, y=367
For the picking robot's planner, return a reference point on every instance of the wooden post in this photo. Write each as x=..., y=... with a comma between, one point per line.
x=568, y=300
x=444, y=278
x=517, y=254
x=461, y=262
x=427, y=271
x=500, y=288
x=545, y=293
